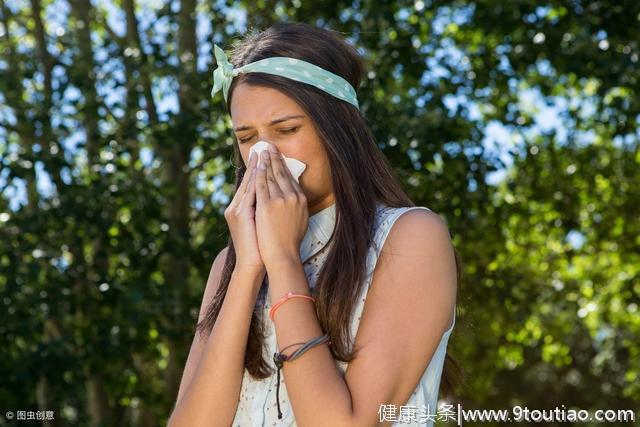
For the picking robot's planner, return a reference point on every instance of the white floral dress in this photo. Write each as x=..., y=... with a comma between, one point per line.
x=257, y=405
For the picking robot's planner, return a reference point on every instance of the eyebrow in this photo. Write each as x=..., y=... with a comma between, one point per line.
x=273, y=122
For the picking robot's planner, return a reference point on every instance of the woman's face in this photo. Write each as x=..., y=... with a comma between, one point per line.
x=261, y=113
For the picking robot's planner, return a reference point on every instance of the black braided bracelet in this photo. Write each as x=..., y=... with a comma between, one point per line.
x=280, y=358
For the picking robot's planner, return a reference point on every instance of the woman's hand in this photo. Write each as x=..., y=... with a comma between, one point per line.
x=240, y=216
x=281, y=210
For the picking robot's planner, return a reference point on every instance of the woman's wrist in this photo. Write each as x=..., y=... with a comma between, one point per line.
x=286, y=276
x=253, y=274
x=249, y=269
x=284, y=263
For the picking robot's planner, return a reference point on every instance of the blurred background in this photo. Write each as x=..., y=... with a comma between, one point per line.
x=516, y=121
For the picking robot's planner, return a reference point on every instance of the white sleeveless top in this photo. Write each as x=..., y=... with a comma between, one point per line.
x=257, y=405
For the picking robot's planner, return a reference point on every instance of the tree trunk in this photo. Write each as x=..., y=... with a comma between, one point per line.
x=177, y=180
x=97, y=401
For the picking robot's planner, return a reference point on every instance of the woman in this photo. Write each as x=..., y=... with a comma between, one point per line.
x=373, y=276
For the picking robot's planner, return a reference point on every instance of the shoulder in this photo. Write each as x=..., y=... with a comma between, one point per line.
x=417, y=265
x=417, y=258
x=419, y=232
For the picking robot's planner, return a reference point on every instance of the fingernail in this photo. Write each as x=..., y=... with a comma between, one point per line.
x=273, y=148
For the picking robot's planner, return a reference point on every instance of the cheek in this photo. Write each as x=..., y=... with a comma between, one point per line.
x=312, y=162
x=316, y=175
x=244, y=153
x=295, y=149
x=306, y=147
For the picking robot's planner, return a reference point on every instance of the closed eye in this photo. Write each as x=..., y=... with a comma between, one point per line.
x=290, y=130
x=287, y=131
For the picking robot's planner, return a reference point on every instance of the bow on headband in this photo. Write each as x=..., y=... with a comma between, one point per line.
x=292, y=68
x=222, y=75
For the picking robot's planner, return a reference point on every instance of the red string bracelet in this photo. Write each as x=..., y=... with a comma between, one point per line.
x=284, y=299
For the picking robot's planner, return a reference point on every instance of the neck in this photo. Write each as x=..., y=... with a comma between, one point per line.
x=319, y=204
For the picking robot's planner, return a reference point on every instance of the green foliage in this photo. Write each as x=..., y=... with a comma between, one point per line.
x=115, y=166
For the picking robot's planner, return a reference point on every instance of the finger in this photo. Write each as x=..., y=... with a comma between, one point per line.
x=278, y=166
x=253, y=161
x=243, y=185
x=294, y=184
x=249, y=197
x=248, y=176
x=262, y=190
x=274, y=188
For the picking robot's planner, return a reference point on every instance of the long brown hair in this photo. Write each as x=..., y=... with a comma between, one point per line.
x=360, y=173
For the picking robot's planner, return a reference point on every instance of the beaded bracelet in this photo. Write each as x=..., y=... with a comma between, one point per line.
x=280, y=358
x=284, y=299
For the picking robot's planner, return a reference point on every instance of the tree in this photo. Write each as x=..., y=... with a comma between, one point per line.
x=115, y=172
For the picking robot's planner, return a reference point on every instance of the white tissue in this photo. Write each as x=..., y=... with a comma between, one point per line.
x=295, y=166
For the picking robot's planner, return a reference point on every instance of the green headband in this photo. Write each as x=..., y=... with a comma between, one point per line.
x=292, y=68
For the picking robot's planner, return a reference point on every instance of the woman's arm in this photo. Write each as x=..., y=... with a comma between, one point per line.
x=198, y=344
x=408, y=307
x=210, y=386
